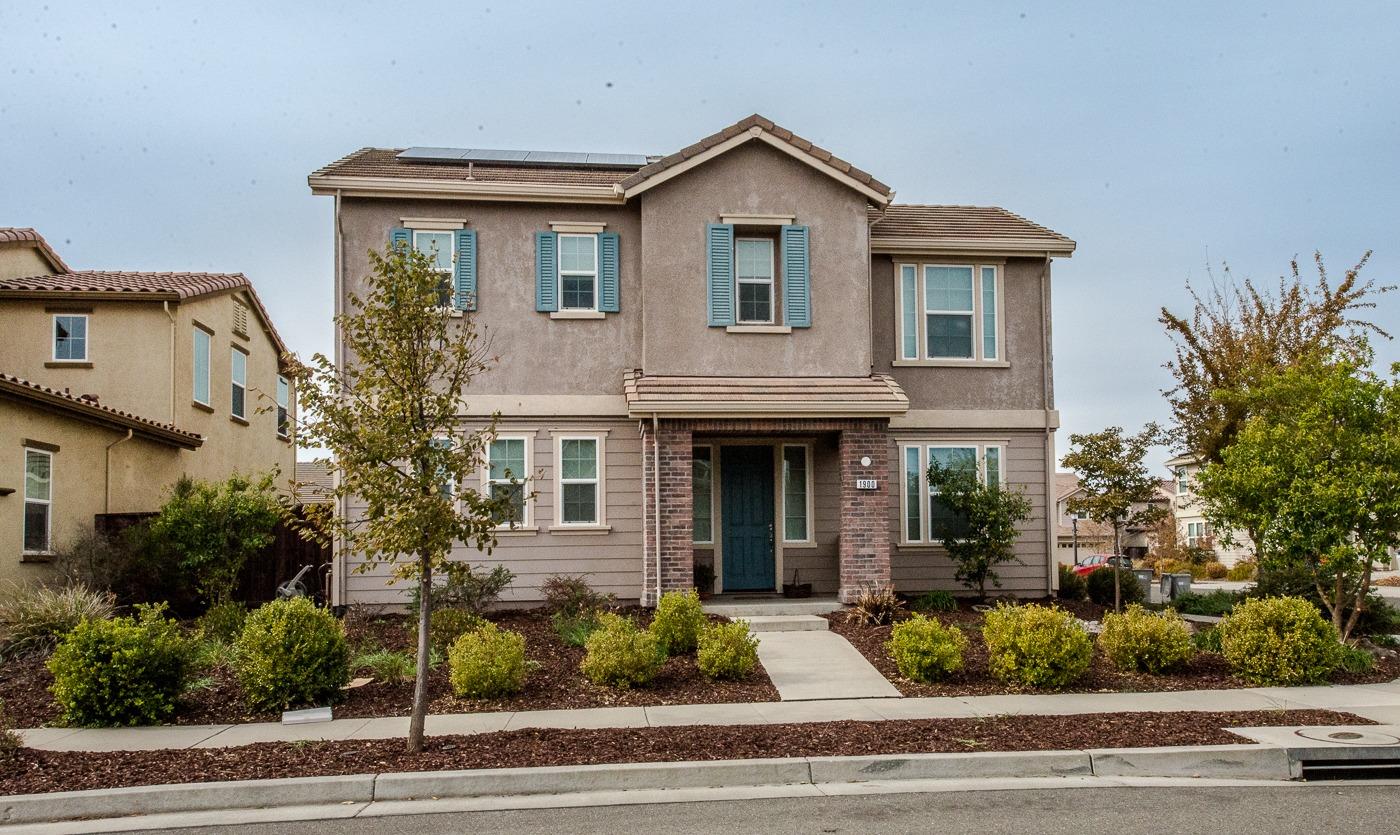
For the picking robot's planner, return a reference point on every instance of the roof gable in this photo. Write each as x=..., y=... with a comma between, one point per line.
x=14, y=236
x=91, y=411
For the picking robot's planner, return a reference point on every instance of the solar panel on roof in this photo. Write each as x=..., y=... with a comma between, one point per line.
x=571, y=159
x=486, y=155
x=432, y=154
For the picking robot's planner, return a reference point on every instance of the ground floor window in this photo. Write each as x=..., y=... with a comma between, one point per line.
x=702, y=495
x=797, y=493
x=926, y=519
x=506, y=477
x=38, y=501
x=1195, y=534
x=580, y=481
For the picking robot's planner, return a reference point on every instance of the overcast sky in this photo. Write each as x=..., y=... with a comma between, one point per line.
x=178, y=136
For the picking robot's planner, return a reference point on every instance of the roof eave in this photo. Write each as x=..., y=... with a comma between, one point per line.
x=462, y=189
x=1018, y=247
x=763, y=408
x=92, y=295
x=97, y=415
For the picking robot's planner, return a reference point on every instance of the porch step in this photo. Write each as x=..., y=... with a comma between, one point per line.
x=785, y=623
x=775, y=607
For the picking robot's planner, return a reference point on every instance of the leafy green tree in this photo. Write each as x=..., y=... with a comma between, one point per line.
x=1316, y=473
x=1116, y=487
x=389, y=417
x=215, y=526
x=983, y=529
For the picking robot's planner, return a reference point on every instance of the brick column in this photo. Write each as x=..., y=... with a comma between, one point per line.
x=677, y=549
x=865, y=521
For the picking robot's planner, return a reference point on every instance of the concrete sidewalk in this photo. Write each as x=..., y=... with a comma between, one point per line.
x=1379, y=702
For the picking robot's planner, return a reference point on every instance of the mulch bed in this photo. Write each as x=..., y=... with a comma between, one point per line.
x=34, y=771
x=1206, y=671
x=556, y=684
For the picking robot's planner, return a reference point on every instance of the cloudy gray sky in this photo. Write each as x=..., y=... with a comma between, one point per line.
x=179, y=135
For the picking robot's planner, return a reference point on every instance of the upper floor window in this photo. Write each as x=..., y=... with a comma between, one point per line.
x=753, y=277
x=238, y=379
x=438, y=246
x=70, y=337
x=284, y=391
x=202, y=340
x=578, y=272
x=926, y=517
x=1183, y=482
x=38, y=501
x=948, y=313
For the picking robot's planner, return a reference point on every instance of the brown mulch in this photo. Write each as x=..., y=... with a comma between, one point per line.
x=1393, y=580
x=1205, y=671
x=555, y=684
x=35, y=771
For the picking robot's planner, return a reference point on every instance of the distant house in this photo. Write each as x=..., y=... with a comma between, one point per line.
x=1078, y=536
x=114, y=384
x=314, y=482
x=1193, y=529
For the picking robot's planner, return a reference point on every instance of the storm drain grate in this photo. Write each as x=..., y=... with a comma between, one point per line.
x=1351, y=769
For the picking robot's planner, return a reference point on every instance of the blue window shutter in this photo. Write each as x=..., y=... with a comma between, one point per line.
x=797, y=291
x=719, y=239
x=608, y=301
x=546, y=272
x=466, y=269
x=399, y=235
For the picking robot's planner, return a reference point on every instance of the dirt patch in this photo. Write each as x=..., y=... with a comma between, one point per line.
x=46, y=771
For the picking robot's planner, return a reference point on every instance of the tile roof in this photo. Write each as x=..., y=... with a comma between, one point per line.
x=30, y=237
x=314, y=482
x=961, y=223
x=384, y=162
x=803, y=145
x=1065, y=483
x=874, y=395
x=89, y=409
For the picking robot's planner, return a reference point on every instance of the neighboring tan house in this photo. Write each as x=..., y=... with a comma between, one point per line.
x=1193, y=529
x=1078, y=533
x=750, y=323
x=125, y=381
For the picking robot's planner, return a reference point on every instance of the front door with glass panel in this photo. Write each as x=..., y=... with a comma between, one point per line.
x=746, y=513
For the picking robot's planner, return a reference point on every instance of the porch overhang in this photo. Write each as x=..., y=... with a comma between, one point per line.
x=876, y=395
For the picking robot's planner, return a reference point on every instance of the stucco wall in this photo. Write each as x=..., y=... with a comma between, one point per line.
x=22, y=260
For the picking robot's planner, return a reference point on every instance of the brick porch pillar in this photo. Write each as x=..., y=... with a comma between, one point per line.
x=865, y=521
x=677, y=552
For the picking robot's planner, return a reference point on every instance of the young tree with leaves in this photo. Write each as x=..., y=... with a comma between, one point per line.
x=982, y=530
x=389, y=418
x=1116, y=487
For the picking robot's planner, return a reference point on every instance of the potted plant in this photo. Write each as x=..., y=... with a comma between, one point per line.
x=704, y=580
x=796, y=589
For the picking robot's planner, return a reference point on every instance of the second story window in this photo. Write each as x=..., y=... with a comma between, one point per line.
x=202, y=339
x=578, y=272
x=1183, y=482
x=70, y=343
x=439, y=247
x=284, y=393
x=948, y=313
x=238, y=377
x=753, y=277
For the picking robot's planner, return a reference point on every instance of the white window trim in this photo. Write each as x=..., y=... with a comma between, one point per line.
x=599, y=481
x=594, y=273
x=434, y=229
x=526, y=524
x=714, y=453
x=233, y=384
x=1183, y=483
x=771, y=282
x=809, y=498
x=48, y=502
x=284, y=426
x=87, y=338
x=978, y=357
x=925, y=491
x=208, y=367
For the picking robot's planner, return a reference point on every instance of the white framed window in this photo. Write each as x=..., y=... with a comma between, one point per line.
x=507, y=474
x=441, y=247
x=1183, y=482
x=1195, y=534
x=702, y=491
x=38, y=501
x=753, y=278
x=797, y=494
x=284, y=396
x=70, y=337
x=580, y=480
x=447, y=487
x=578, y=272
x=948, y=313
x=238, y=383
x=203, y=339
x=924, y=515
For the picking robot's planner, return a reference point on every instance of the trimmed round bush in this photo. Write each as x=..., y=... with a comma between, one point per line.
x=223, y=622
x=1243, y=571
x=1216, y=571
x=1280, y=641
x=1038, y=646
x=726, y=650
x=291, y=654
x=488, y=663
x=445, y=626
x=619, y=654
x=1149, y=642
x=925, y=650
x=1100, y=586
x=678, y=621
x=122, y=671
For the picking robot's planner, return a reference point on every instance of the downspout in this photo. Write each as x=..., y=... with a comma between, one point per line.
x=338, y=546
x=656, y=497
x=1050, y=544
x=165, y=305
x=107, y=491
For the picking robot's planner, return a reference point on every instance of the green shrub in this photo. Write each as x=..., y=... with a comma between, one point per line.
x=1243, y=571
x=488, y=663
x=574, y=629
x=726, y=650
x=678, y=621
x=33, y=618
x=875, y=606
x=1356, y=660
x=935, y=601
x=291, y=654
x=1216, y=604
x=215, y=526
x=1280, y=641
x=223, y=622
x=1143, y=641
x=121, y=671
x=1072, y=586
x=1100, y=584
x=1173, y=567
x=925, y=650
x=385, y=665
x=458, y=586
x=445, y=626
x=10, y=741
x=572, y=596
x=1207, y=640
x=622, y=655
x=1211, y=570
x=1038, y=646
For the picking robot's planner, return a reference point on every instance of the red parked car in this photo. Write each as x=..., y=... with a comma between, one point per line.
x=1097, y=561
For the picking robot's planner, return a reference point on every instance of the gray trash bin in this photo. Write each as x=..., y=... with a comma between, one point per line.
x=1144, y=578
x=1165, y=587
x=1181, y=584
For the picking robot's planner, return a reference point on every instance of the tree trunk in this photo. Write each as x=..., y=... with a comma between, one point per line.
x=420, y=685
x=1359, y=601
x=1117, y=572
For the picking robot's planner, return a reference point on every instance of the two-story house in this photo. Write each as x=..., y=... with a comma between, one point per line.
x=1192, y=527
x=742, y=354
x=1080, y=536
x=114, y=384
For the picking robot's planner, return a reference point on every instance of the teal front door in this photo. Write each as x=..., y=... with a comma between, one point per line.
x=746, y=512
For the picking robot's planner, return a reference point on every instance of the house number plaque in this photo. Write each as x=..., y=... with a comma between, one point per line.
x=867, y=484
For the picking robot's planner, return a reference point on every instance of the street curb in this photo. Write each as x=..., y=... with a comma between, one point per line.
x=1265, y=762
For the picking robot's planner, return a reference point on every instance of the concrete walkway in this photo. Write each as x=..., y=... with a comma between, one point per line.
x=814, y=665
x=1379, y=702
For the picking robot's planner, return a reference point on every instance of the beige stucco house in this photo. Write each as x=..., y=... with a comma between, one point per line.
x=1193, y=529
x=114, y=384
x=1079, y=537
x=743, y=354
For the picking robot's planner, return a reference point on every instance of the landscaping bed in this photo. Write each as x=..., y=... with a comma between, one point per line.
x=1205, y=671
x=557, y=683
x=46, y=771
